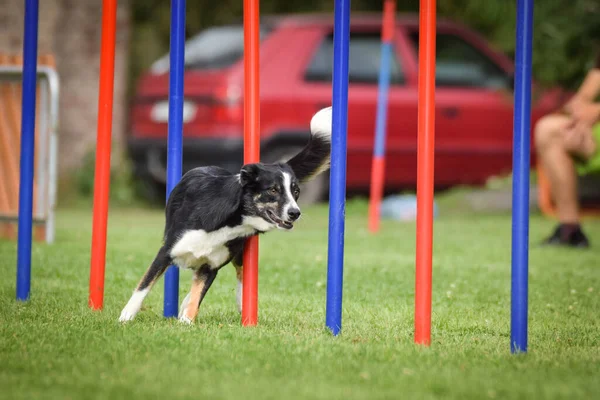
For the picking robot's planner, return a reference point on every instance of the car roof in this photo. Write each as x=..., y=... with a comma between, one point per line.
x=365, y=19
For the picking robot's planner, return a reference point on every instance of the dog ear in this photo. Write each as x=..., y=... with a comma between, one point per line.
x=249, y=174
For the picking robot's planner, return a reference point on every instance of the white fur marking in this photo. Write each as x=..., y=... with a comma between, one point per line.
x=196, y=248
x=184, y=304
x=238, y=296
x=290, y=201
x=321, y=127
x=258, y=223
x=320, y=124
x=134, y=305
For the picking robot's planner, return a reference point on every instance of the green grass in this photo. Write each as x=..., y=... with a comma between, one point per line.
x=55, y=347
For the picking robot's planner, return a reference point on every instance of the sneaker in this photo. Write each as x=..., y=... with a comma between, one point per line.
x=569, y=235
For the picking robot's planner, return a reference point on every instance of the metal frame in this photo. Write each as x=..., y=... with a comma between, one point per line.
x=48, y=145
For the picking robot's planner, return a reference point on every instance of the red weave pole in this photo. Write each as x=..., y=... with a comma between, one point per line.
x=376, y=192
x=425, y=168
x=378, y=161
x=102, y=171
x=389, y=17
x=251, y=151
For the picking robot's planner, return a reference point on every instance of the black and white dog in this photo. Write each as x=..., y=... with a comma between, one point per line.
x=211, y=213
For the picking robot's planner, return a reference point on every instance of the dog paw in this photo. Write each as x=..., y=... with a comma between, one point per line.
x=185, y=320
x=127, y=315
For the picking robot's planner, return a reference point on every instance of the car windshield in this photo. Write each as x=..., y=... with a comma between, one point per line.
x=213, y=48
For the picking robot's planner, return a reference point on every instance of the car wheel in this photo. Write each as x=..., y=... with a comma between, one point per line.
x=311, y=192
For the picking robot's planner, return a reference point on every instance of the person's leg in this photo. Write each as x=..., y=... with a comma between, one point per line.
x=557, y=145
x=558, y=165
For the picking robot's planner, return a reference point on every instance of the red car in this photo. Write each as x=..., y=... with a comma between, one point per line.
x=474, y=109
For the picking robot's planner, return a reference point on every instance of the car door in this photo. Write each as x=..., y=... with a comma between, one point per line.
x=474, y=110
x=364, y=65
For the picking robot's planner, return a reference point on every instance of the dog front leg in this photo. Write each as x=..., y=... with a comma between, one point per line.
x=201, y=282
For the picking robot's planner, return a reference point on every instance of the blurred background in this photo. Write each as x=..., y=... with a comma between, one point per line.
x=474, y=67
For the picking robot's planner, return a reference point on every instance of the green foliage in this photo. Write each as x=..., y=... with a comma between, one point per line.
x=565, y=40
x=122, y=185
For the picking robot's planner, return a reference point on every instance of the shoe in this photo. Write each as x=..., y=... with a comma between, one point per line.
x=569, y=235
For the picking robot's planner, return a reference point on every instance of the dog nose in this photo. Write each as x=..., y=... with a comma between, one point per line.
x=294, y=214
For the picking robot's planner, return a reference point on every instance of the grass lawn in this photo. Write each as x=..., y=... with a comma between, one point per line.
x=55, y=347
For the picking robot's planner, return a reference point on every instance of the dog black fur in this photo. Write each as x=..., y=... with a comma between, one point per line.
x=211, y=213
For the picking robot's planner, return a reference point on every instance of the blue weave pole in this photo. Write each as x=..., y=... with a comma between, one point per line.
x=337, y=195
x=175, y=140
x=30, y=45
x=382, y=99
x=520, y=200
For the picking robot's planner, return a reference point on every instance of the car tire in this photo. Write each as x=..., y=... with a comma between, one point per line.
x=311, y=192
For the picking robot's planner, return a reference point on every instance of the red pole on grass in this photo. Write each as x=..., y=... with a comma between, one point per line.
x=102, y=171
x=251, y=151
x=378, y=163
x=425, y=168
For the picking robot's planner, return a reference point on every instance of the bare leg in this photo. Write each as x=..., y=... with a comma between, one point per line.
x=563, y=181
x=559, y=142
x=201, y=282
x=154, y=272
x=559, y=165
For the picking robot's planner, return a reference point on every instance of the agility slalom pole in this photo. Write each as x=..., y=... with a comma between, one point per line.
x=337, y=177
x=251, y=150
x=103, y=139
x=378, y=163
x=30, y=44
x=425, y=169
x=175, y=135
x=520, y=199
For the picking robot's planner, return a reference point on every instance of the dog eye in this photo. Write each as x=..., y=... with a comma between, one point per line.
x=273, y=190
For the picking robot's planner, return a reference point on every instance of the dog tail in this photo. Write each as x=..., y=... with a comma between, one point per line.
x=315, y=157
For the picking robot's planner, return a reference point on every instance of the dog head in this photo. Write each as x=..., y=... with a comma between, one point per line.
x=271, y=191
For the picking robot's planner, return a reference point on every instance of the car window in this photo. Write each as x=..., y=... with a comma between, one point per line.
x=213, y=48
x=364, y=60
x=460, y=64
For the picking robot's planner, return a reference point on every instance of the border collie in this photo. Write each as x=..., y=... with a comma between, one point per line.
x=211, y=213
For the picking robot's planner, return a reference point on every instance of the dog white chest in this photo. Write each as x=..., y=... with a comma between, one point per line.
x=196, y=248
